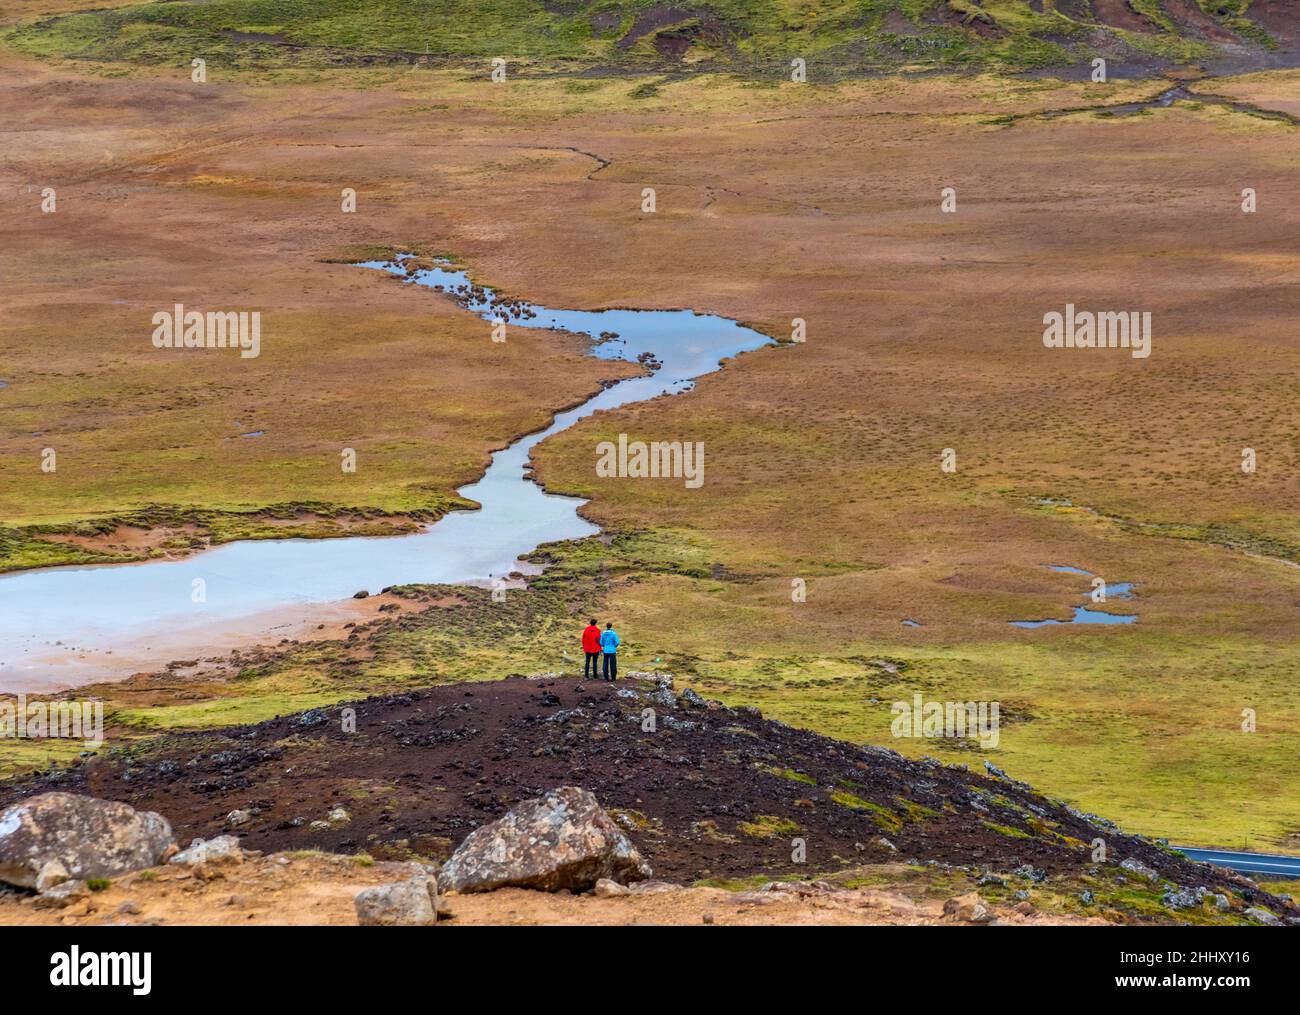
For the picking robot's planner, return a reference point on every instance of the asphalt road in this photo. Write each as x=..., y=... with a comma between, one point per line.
x=1277, y=864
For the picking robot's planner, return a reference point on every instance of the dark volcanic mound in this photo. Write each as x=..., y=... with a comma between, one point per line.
x=713, y=792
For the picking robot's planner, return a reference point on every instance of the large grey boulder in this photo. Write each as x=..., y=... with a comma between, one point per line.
x=90, y=838
x=563, y=840
x=411, y=903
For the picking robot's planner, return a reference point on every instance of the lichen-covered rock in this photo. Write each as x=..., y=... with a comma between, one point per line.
x=1180, y=898
x=561, y=841
x=91, y=838
x=62, y=895
x=412, y=903
x=222, y=849
x=662, y=679
x=53, y=873
x=1134, y=866
x=968, y=908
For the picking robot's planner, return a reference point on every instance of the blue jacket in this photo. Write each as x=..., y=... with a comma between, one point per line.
x=609, y=642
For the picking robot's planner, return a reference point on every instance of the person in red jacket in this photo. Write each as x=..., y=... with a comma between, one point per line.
x=591, y=646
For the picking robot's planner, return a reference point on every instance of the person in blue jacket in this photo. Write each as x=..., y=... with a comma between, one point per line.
x=609, y=646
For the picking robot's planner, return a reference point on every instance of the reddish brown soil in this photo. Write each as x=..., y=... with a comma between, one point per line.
x=1281, y=19
x=662, y=16
x=1187, y=14
x=951, y=16
x=134, y=540
x=318, y=889
x=1119, y=14
x=137, y=542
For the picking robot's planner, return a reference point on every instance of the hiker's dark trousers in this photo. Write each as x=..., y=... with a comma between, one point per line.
x=591, y=668
x=611, y=666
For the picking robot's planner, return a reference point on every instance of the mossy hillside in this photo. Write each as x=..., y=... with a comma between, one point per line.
x=1143, y=724
x=842, y=36
x=1122, y=902
x=1144, y=728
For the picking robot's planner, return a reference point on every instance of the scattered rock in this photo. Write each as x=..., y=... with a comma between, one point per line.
x=222, y=849
x=236, y=818
x=801, y=888
x=88, y=837
x=968, y=908
x=53, y=873
x=1263, y=916
x=607, y=889
x=65, y=894
x=1139, y=868
x=563, y=840
x=662, y=679
x=204, y=872
x=412, y=903
x=756, y=898
x=1034, y=874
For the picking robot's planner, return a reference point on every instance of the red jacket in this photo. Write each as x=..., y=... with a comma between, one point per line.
x=591, y=639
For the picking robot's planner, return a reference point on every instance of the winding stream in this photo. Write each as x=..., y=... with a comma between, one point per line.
x=74, y=625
